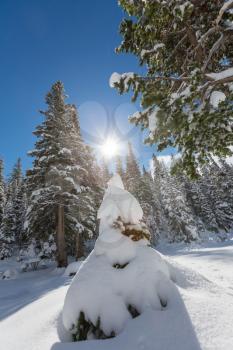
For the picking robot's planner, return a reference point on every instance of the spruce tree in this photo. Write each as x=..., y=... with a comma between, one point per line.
x=57, y=180
x=2, y=192
x=159, y=171
x=133, y=176
x=215, y=187
x=105, y=173
x=7, y=226
x=198, y=201
x=20, y=209
x=181, y=222
x=119, y=168
x=150, y=206
x=15, y=207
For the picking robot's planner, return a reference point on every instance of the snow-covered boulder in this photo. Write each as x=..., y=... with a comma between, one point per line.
x=121, y=278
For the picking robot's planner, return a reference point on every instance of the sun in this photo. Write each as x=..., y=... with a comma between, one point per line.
x=110, y=148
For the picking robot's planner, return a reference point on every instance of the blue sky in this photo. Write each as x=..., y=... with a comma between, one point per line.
x=42, y=41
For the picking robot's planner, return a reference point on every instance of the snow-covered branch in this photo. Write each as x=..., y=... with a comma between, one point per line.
x=227, y=6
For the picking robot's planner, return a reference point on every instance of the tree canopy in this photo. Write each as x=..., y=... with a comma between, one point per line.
x=186, y=92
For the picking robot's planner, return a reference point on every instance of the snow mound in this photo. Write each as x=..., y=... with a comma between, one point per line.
x=105, y=291
x=72, y=268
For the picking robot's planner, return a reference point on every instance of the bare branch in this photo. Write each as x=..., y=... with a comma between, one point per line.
x=193, y=40
x=178, y=45
x=213, y=50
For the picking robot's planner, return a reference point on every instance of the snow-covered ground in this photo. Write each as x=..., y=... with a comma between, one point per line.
x=200, y=315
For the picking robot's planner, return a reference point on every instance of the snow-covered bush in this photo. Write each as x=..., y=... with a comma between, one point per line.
x=48, y=249
x=38, y=249
x=122, y=276
x=5, y=251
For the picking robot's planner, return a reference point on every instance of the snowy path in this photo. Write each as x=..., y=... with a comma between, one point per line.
x=30, y=306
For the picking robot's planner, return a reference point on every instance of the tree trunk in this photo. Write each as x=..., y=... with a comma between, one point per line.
x=79, y=246
x=61, y=244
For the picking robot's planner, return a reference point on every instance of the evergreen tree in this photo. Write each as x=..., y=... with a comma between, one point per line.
x=20, y=209
x=214, y=185
x=119, y=168
x=105, y=173
x=2, y=192
x=57, y=181
x=15, y=207
x=159, y=172
x=133, y=177
x=200, y=205
x=149, y=204
x=7, y=226
x=186, y=94
x=181, y=222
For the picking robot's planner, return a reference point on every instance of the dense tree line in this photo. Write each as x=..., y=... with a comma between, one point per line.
x=177, y=208
x=54, y=205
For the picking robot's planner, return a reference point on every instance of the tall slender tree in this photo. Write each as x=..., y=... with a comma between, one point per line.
x=56, y=182
x=2, y=192
x=133, y=176
x=119, y=168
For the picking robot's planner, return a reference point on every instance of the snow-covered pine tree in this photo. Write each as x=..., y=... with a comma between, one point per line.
x=8, y=225
x=226, y=175
x=56, y=181
x=20, y=209
x=5, y=250
x=19, y=201
x=186, y=47
x=149, y=204
x=180, y=220
x=2, y=192
x=214, y=185
x=105, y=173
x=158, y=175
x=133, y=176
x=199, y=204
x=126, y=275
x=119, y=168
x=15, y=207
x=89, y=198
